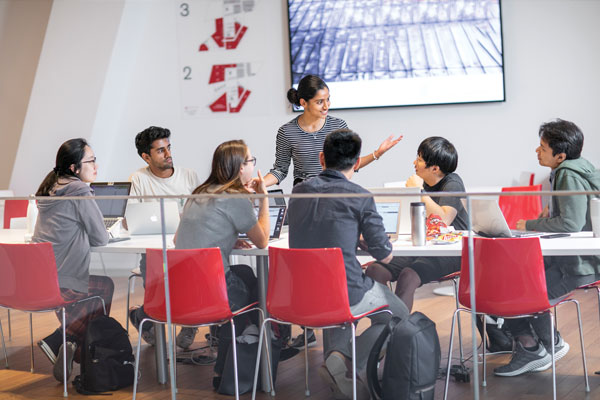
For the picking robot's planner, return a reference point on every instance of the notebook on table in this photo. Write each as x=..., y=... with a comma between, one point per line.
x=488, y=220
x=144, y=218
x=113, y=210
x=276, y=217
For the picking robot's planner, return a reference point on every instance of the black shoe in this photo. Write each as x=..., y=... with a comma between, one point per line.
x=50, y=345
x=136, y=315
x=58, y=365
x=298, y=343
x=499, y=340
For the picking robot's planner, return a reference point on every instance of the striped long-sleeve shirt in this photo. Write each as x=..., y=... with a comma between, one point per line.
x=293, y=143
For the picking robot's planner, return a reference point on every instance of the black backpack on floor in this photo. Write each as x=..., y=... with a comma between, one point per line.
x=412, y=360
x=107, y=361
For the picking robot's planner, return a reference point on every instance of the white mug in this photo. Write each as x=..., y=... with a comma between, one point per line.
x=595, y=215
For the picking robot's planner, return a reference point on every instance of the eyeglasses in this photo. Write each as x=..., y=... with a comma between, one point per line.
x=92, y=161
x=251, y=160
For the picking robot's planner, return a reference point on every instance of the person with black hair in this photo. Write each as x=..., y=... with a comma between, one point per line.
x=302, y=138
x=159, y=178
x=561, y=143
x=340, y=222
x=435, y=164
x=72, y=226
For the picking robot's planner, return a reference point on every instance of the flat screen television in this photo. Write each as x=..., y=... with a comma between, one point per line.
x=381, y=53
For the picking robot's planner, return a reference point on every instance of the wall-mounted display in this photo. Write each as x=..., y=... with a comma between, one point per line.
x=378, y=53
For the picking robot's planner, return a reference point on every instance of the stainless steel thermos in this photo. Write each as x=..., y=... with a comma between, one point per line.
x=417, y=223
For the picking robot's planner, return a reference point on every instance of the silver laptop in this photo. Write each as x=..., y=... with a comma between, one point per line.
x=113, y=210
x=403, y=201
x=144, y=218
x=488, y=220
x=276, y=217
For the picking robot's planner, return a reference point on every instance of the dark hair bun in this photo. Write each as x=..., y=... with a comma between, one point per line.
x=292, y=96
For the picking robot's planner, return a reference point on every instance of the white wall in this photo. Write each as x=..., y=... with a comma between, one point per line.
x=110, y=69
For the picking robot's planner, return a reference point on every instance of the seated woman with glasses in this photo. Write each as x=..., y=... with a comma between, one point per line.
x=72, y=226
x=217, y=222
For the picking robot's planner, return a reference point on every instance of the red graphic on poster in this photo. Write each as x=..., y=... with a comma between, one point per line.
x=229, y=40
x=235, y=95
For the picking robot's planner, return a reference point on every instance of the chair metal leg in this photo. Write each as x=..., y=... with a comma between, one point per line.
x=450, y=352
x=263, y=336
x=137, y=361
x=353, y=361
x=552, y=355
x=174, y=360
x=64, y=337
x=483, y=381
x=4, y=346
x=32, y=362
x=235, y=366
x=129, y=280
x=306, y=389
x=10, y=326
x=583, y=358
x=460, y=344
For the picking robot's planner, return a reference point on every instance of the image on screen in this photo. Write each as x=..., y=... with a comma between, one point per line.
x=389, y=213
x=399, y=52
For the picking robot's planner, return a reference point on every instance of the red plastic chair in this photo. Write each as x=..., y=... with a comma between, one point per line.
x=510, y=282
x=30, y=283
x=294, y=296
x=14, y=209
x=515, y=208
x=198, y=294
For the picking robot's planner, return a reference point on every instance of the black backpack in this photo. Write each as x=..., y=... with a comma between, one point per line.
x=412, y=360
x=107, y=361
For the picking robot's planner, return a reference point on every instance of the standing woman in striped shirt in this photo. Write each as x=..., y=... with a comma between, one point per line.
x=302, y=138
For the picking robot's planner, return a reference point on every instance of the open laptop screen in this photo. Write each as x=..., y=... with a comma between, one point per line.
x=276, y=216
x=111, y=208
x=389, y=213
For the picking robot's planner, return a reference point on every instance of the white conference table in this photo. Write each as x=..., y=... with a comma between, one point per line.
x=581, y=243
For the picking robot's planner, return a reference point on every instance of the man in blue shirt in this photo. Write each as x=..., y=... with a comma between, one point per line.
x=345, y=223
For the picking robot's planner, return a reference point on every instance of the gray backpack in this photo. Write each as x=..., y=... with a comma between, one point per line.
x=412, y=360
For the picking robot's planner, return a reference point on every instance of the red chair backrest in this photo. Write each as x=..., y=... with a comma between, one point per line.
x=509, y=276
x=515, y=208
x=196, y=283
x=28, y=277
x=308, y=286
x=14, y=209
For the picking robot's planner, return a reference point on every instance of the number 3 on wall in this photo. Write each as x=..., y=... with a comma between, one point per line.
x=185, y=9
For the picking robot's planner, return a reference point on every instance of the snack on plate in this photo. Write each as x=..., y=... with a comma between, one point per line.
x=438, y=232
x=434, y=226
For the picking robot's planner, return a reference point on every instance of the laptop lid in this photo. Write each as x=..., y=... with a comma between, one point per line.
x=390, y=213
x=404, y=201
x=111, y=208
x=276, y=218
x=276, y=201
x=144, y=218
x=488, y=220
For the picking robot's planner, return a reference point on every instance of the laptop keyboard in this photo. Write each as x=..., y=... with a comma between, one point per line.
x=109, y=222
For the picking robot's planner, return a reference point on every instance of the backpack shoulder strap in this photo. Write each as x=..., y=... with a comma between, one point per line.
x=373, y=361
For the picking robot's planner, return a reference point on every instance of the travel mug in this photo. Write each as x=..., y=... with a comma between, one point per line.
x=417, y=223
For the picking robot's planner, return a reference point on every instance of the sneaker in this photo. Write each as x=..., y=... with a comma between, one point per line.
x=186, y=336
x=50, y=345
x=136, y=314
x=561, y=348
x=335, y=373
x=524, y=360
x=298, y=343
x=58, y=365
